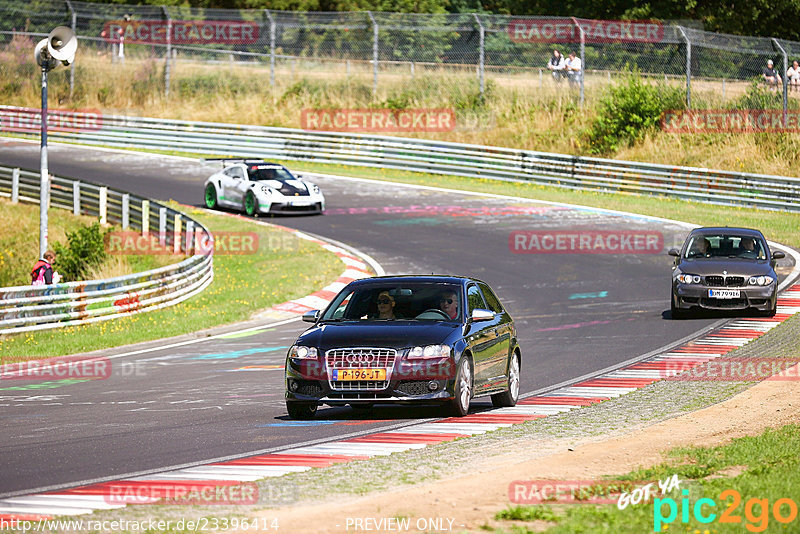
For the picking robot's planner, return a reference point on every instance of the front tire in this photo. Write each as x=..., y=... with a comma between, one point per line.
x=459, y=406
x=301, y=410
x=211, y=197
x=250, y=204
x=675, y=312
x=509, y=397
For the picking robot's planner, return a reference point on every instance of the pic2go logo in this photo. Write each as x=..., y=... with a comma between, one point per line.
x=783, y=511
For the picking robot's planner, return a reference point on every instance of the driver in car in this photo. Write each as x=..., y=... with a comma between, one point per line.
x=448, y=303
x=747, y=248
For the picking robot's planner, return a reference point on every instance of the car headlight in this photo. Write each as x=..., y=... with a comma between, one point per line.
x=303, y=353
x=315, y=188
x=688, y=279
x=429, y=352
x=760, y=280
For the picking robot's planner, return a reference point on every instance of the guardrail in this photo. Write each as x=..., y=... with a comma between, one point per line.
x=29, y=308
x=437, y=157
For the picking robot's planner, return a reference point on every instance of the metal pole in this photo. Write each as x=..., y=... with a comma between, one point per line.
x=582, y=57
x=374, y=54
x=481, y=50
x=271, y=48
x=785, y=82
x=169, y=50
x=44, y=186
x=72, y=65
x=688, y=68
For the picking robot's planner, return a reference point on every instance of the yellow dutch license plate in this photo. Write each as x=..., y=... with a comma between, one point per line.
x=340, y=375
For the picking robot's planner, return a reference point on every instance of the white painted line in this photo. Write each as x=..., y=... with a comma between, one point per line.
x=537, y=409
x=44, y=510
x=591, y=392
x=462, y=428
x=179, y=475
x=64, y=501
x=738, y=341
x=225, y=472
x=313, y=302
x=635, y=373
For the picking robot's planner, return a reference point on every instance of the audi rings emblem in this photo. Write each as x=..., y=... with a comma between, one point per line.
x=358, y=358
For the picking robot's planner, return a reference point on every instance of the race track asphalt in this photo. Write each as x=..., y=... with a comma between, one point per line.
x=576, y=314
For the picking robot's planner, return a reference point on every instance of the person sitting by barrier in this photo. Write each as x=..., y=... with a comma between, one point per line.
x=771, y=76
x=574, y=69
x=43, y=273
x=793, y=77
x=556, y=66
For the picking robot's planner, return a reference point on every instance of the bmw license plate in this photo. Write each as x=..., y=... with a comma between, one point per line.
x=340, y=375
x=723, y=293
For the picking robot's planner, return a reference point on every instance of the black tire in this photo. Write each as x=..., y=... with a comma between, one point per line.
x=675, y=312
x=459, y=406
x=251, y=204
x=211, y=197
x=301, y=410
x=509, y=397
x=770, y=312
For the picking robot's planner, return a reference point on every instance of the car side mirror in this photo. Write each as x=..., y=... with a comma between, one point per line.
x=674, y=252
x=482, y=315
x=311, y=316
x=778, y=255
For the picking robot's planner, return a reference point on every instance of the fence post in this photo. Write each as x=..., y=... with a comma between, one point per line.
x=271, y=47
x=176, y=234
x=76, y=198
x=72, y=65
x=103, y=205
x=169, y=50
x=481, y=49
x=145, y=217
x=688, y=68
x=785, y=82
x=126, y=211
x=162, y=226
x=582, y=56
x=189, y=237
x=374, y=53
x=14, y=186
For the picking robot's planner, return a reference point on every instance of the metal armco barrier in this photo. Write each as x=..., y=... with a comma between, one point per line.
x=437, y=157
x=31, y=308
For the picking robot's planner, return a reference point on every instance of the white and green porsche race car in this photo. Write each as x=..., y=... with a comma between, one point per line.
x=260, y=187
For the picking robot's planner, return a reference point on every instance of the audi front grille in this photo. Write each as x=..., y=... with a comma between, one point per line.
x=360, y=358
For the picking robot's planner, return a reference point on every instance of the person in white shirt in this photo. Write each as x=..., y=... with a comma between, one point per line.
x=573, y=68
x=793, y=77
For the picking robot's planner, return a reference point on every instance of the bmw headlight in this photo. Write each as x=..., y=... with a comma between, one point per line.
x=429, y=352
x=760, y=280
x=303, y=353
x=688, y=279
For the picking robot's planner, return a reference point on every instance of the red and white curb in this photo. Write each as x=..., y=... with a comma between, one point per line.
x=86, y=499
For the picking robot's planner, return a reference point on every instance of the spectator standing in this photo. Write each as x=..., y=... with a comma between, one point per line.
x=793, y=77
x=573, y=68
x=772, y=78
x=556, y=65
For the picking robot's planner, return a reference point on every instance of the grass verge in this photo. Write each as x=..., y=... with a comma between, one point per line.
x=281, y=268
x=752, y=478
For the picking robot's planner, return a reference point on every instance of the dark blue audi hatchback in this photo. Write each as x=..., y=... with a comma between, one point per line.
x=405, y=340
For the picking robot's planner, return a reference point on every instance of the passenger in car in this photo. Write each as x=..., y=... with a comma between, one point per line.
x=448, y=303
x=386, y=305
